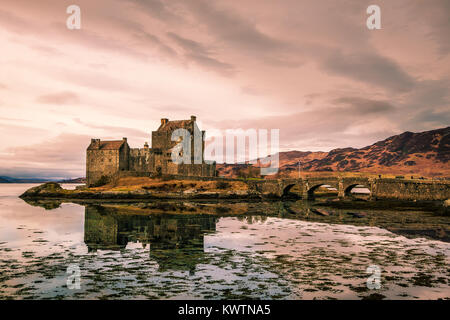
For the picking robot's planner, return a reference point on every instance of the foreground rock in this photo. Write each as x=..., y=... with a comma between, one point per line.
x=46, y=190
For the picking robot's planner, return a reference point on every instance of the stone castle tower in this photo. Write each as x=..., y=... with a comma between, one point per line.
x=112, y=158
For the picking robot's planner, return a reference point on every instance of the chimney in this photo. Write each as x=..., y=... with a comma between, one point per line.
x=95, y=143
x=164, y=121
x=193, y=118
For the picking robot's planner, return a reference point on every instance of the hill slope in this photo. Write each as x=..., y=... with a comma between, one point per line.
x=425, y=153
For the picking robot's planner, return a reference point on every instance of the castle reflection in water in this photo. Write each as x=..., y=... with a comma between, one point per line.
x=174, y=232
x=176, y=241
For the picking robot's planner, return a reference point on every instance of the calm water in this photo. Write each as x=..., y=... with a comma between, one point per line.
x=215, y=251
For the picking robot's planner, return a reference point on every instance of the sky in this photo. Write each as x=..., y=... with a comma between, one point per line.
x=309, y=68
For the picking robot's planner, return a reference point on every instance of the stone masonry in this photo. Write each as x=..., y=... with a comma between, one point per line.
x=107, y=159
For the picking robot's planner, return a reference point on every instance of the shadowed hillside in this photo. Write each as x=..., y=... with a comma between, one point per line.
x=425, y=153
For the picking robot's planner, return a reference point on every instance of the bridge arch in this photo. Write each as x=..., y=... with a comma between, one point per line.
x=294, y=189
x=324, y=187
x=363, y=188
x=329, y=188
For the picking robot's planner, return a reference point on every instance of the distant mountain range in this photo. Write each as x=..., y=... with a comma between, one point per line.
x=425, y=153
x=4, y=179
x=76, y=180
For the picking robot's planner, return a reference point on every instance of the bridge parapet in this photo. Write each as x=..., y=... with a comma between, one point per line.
x=402, y=189
x=380, y=188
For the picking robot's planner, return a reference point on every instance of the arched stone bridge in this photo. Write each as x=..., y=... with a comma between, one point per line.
x=308, y=186
x=380, y=188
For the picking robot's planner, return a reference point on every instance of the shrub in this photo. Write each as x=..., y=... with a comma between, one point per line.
x=166, y=177
x=102, y=181
x=249, y=171
x=222, y=185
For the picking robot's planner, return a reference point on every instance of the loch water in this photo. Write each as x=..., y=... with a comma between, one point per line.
x=219, y=250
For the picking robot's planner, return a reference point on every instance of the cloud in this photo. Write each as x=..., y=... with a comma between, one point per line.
x=93, y=80
x=61, y=156
x=13, y=119
x=311, y=69
x=437, y=20
x=12, y=22
x=436, y=117
x=328, y=127
x=370, y=68
x=7, y=128
x=65, y=97
x=157, y=9
x=364, y=106
x=428, y=107
x=197, y=52
x=189, y=45
x=232, y=28
x=119, y=132
x=46, y=50
x=157, y=42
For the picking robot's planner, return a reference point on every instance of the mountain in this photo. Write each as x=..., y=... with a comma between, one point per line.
x=4, y=179
x=424, y=153
x=76, y=180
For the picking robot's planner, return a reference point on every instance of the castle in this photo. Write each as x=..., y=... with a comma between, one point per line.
x=109, y=159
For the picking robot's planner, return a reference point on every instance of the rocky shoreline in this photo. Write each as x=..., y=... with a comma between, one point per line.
x=52, y=190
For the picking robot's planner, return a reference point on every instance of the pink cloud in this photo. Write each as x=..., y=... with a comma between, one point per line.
x=311, y=69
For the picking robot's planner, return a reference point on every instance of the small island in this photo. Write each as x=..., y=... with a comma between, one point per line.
x=145, y=188
x=114, y=171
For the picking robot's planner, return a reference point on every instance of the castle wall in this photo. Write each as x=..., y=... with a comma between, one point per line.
x=101, y=162
x=110, y=162
x=124, y=154
x=199, y=170
x=141, y=160
x=162, y=140
x=145, y=160
x=171, y=168
x=162, y=143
